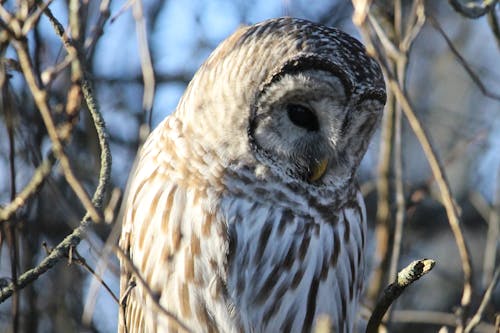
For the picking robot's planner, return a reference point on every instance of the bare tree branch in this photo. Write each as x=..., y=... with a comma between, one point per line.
x=146, y=62
x=32, y=188
x=72, y=240
x=475, y=78
x=476, y=319
x=473, y=9
x=492, y=236
x=150, y=293
x=95, y=205
x=405, y=277
x=435, y=165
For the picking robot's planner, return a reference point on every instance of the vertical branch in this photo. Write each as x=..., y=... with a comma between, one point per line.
x=490, y=251
x=404, y=40
x=10, y=226
x=429, y=151
x=442, y=182
x=146, y=62
x=400, y=64
x=383, y=218
x=400, y=200
x=476, y=319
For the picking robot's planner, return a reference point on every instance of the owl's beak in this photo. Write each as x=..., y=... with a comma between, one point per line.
x=318, y=170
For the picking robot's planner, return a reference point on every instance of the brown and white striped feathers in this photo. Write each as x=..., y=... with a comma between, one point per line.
x=243, y=213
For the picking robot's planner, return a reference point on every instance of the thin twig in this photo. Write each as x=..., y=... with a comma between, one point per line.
x=32, y=20
x=476, y=319
x=400, y=199
x=391, y=50
x=97, y=201
x=414, y=25
x=383, y=217
x=102, y=266
x=77, y=258
x=125, y=260
x=10, y=228
x=98, y=29
x=442, y=182
x=40, y=96
x=404, y=43
x=41, y=173
x=12, y=25
x=146, y=62
x=405, y=277
x=50, y=73
x=480, y=204
x=490, y=250
x=436, y=168
x=475, y=78
x=72, y=240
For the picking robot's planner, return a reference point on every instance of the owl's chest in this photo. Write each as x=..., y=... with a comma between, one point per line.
x=286, y=265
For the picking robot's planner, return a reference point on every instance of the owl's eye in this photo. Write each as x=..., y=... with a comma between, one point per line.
x=302, y=117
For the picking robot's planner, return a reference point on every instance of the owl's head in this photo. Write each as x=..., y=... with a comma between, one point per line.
x=301, y=100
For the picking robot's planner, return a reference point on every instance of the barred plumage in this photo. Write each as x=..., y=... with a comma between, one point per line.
x=243, y=213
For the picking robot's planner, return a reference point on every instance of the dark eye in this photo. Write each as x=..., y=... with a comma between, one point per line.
x=302, y=117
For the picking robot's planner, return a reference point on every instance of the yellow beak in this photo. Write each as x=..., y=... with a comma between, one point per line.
x=318, y=170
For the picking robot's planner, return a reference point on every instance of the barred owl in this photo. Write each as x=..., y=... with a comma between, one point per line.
x=243, y=213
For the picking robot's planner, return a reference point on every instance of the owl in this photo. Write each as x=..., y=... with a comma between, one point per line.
x=243, y=212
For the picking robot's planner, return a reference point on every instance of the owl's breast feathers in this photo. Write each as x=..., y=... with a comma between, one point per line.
x=224, y=250
x=295, y=253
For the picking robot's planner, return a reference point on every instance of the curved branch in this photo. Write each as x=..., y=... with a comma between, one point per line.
x=72, y=240
x=406, y=276
x=95, y=205
x=442, y=182
x=494, y=25
x=474, y=77
x=41, y=173
x=472, y=9
x=476, y=319
x=434, y=163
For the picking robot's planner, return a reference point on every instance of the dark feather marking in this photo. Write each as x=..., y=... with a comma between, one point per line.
x=297, y=278
x=336, y=249
x=359, y=256
x=325, y=268
x=288, y=322
x=311, y=305
x=325, y=212
x=304, y=246
x=286, y=218
x=347, y=227
x=353, y=277
x=343, y=299
x=261, y=245
x=289, y=257
x=267, y=287
x=275, y=305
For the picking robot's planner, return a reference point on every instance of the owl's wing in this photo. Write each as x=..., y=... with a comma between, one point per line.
x=173, y=236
